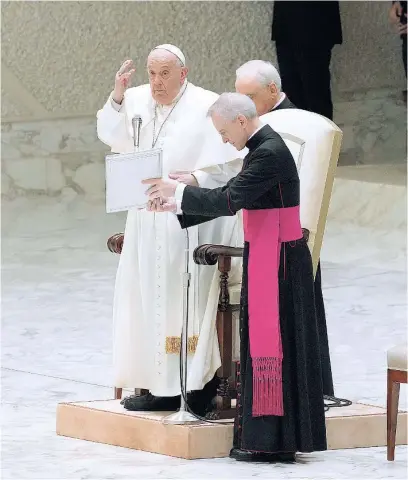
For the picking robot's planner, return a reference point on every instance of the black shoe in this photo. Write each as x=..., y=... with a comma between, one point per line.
x=150, y=403
x=129, y=396
x=246, y=456
x=199, y=401
x=286, y=457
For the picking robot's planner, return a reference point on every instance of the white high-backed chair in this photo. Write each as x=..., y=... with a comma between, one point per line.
x=315, y=144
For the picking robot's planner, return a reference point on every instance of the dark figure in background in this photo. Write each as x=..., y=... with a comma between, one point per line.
x=305, y=33
x=398, y=17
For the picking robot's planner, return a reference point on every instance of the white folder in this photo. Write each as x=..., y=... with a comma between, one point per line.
x=124, y=173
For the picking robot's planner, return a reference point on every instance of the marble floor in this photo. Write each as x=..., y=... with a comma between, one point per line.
x=57, y=280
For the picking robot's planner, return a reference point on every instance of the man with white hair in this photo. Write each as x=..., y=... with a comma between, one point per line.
x=147, y=311
x=280, y=408
x=261, y=82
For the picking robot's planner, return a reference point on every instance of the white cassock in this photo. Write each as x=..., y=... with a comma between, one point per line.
x=147, y=312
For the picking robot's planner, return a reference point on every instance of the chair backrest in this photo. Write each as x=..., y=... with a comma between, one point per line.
x=314, y=142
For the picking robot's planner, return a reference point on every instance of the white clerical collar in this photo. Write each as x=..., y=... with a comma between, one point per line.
x=281, y=99
x=256, y=131
x=177, y=98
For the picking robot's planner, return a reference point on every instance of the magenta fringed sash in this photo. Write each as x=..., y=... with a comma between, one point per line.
x=265, y=230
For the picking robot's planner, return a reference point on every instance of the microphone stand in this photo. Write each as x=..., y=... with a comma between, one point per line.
x=183, y=416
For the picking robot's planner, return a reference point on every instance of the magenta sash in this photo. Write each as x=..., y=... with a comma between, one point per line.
x=265, y=230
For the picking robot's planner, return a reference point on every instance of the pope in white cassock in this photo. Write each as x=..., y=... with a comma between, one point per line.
x=147, y=312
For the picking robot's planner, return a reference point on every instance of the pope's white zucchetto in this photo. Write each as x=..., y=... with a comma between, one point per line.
x=174, y=50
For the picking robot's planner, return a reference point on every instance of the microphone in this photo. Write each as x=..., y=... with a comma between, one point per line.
x=136, y=125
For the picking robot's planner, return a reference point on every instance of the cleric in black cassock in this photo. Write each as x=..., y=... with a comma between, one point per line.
x=280, y=408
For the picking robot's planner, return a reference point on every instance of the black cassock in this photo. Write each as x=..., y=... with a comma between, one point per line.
x=327, y=375
x=269, y=180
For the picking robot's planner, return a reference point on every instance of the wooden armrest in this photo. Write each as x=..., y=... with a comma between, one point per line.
x=208, y=254
x=115, y=243
x=306, y=234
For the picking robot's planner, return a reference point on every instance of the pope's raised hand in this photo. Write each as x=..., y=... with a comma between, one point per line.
x=160, y=187
x=122, y=80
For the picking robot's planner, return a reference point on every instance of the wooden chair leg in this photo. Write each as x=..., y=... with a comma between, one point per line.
x=224, y=330
x=393, y=388
x=223, y=399
x=117, y=393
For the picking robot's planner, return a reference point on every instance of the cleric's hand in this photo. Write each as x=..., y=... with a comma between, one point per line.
x=395, y=13
x=162, y=205
x=160, y=188
x=402, y=29
x=186, y=178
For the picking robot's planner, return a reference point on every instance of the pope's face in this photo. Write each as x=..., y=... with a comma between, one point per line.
x=166, y=76
x=233, y=132
x=265, y=98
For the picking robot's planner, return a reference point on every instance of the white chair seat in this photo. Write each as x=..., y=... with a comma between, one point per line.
x=235, y=294
x=397, y=358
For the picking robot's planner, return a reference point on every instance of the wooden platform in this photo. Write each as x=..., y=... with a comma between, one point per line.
x=106, y=421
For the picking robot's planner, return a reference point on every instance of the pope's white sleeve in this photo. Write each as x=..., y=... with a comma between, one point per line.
x=113, y=126
x=217, y=175
x=116, y=106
